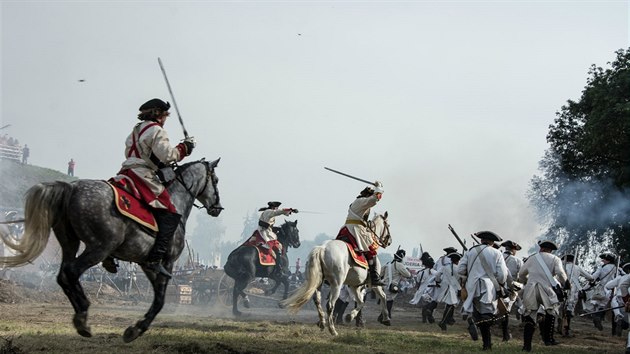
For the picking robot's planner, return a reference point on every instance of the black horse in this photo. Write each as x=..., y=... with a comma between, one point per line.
x=243, y=265
x=83, y=213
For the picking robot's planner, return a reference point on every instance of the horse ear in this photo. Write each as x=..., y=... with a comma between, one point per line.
x=214, y=163
x=295, y=222
x=385, y=216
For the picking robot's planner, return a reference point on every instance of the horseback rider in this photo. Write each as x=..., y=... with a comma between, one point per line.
x=149, y=155
x=356, y=225
x=265, y=229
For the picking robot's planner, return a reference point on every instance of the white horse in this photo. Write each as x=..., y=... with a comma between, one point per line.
x=332, y=262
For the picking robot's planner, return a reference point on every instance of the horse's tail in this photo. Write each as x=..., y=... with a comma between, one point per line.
x=45, y=202
x=314, y=276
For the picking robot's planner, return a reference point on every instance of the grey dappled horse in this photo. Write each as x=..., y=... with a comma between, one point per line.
x=84, y=212
x=332, y=262
x=243, y=265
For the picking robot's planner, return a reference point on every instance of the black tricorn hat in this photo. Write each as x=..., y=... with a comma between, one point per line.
x=454, y=256
x=548, y=244
x=568, y=257
x=274, y=204
x=511, y=245
x=608, y=256
x=400, y=254
x=155, y=103
x=450, y=250
x=488, y=235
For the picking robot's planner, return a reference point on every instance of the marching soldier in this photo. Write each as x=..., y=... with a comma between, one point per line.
x=444, y=260
x=392, y=273
x=356, y=226
x=486, y=273
x=423, y=293
x=148, y=154
x=600, y=295
x=620, y=317
x=538, y=274
x=447, y=279
x=513, y=265
x=574, y=272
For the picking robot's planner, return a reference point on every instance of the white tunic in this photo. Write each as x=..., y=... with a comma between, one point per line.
x=358, y=212
x=538, y=289
x=269, y=216
x=398, y=271
x=448, y=278
x=513, y=264
x=478, y=284
x=423, y=278
x=442, y=262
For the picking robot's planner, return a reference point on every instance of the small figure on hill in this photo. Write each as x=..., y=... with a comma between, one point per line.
x=25, y=154
x=71, y=164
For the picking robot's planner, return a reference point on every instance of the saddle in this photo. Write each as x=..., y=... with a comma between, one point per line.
x=358, y=258
x=128, y=202
x=265, y=255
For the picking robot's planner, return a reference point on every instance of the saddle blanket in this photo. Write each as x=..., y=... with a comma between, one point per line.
x=132, y=207
x=358, y=258
x=265, y=255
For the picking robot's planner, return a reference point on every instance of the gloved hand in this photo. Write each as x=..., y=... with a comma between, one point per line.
x=294, y=211
x=190, y=144
x=567, y=285
x=378, y=187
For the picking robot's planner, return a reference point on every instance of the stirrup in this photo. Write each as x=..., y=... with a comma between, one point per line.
x=158, y=268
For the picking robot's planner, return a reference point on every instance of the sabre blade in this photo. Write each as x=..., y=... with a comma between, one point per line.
x=350, y=176
x=170, y=91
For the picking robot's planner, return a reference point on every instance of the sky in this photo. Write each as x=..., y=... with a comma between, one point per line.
x=447, y=103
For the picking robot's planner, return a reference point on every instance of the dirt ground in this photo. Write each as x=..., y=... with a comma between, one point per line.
x=46, y=303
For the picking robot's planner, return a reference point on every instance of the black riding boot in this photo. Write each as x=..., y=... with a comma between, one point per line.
x=375, y=278
x=167, y=224
x=567, y=328
x=528, y=335
x=340, y=308
x=505, y=329
x=550, y=322
x=424, y=314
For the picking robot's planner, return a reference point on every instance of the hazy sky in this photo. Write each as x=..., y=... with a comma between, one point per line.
x=446, y=102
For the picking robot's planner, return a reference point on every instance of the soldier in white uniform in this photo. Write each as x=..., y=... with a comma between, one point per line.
x=265, y=229
x=486, y=273
x=620, y=317
x=600, y=295
x=574, y=272
x=624, y=293
x=423, y=293
x=449, y=288
x=444, y=260
x=392, y=273
x=513, y=265
x=537, y=274
x=356, y=226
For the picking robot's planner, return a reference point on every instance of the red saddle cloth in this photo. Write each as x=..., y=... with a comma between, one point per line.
x=131, y=206
x=358, y=258
x=265, y=255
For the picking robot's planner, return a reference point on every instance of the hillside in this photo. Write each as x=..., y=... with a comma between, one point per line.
x=16, y=179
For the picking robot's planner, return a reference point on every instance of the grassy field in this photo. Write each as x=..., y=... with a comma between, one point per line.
x=46, y=328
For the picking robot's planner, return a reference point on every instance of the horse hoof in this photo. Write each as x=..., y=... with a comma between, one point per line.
x=348, y=318
x=387, y=322
x=246, y=304
x=321, y=325
x=131, y=333
x=237, y=313
x=80, y=323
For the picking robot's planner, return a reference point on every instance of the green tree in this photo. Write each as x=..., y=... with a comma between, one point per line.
x=581, y=195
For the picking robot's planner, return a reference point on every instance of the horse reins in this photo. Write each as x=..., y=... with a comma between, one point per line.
x=380, y=238
x=214, y=188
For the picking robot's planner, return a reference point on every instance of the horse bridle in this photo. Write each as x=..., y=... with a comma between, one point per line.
x=214, y=188
x=379, y=239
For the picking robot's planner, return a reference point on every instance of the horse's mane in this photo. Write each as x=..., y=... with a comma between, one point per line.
x=181, y=168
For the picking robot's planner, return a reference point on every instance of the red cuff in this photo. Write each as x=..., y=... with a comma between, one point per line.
x=181, y=147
